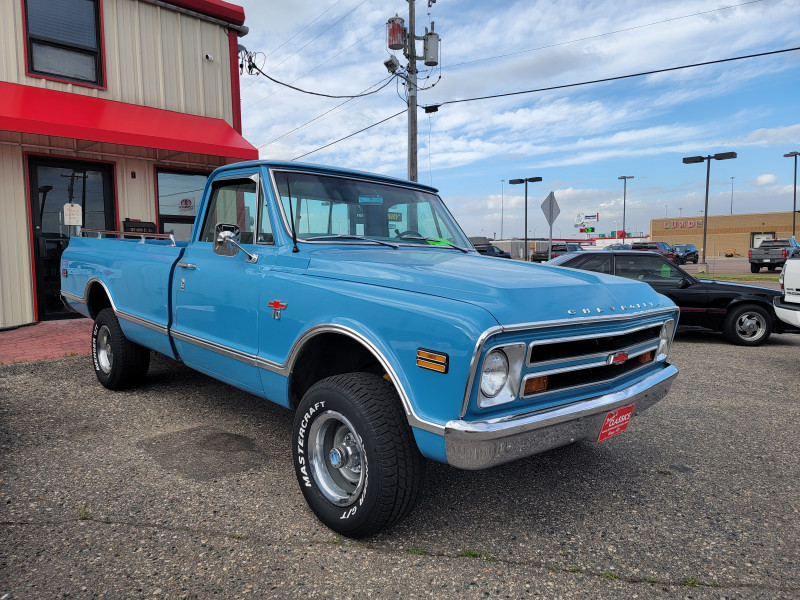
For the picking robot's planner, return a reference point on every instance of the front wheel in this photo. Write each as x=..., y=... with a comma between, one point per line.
x=748, y=325
x=118, y=362
x=355, y=459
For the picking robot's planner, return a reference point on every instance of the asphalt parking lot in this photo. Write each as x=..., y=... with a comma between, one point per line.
x=184, y=488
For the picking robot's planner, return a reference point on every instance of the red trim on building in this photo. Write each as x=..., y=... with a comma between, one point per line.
x=38, y=111
x=30, y=236
x=236, y=99
x=213, y=8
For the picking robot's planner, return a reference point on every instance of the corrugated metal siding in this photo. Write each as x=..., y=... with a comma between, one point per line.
x=16, y=284
x=153, y=56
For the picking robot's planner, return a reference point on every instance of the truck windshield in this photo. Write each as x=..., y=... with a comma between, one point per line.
x=325, y=206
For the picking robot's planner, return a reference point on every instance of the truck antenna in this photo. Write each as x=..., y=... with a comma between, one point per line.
x=291, y=217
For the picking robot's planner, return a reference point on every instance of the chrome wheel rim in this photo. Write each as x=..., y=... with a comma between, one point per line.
x=105, y=354
x=337, y=459
x=751, y=326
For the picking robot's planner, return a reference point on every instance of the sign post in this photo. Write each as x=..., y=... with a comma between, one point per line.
x=551, y=211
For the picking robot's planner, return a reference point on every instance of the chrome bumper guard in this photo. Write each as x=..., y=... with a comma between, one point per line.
x=482, y=444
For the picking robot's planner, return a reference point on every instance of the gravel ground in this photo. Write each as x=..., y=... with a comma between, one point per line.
x=184, y=488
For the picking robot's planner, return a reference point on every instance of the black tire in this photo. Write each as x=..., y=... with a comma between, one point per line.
x=772, y=267
x=748, y=325
x=695, y=260
x=118, y=362
x=754, y=268
x=356, y=419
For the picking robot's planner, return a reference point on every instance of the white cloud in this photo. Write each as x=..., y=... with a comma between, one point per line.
x=766, y=179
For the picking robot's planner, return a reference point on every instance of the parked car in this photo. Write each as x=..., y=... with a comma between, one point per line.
x=663, y=248
x=612, y=247
x=356, y=301
x=685, y=253
x=491, y=250
x=772, y=254
x=787, y=307
x=744, y=313
x=559, y=248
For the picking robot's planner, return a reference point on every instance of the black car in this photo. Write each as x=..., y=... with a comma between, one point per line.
x=490, y=250
x=611, y=247
x=744, y=313
x=685, y=253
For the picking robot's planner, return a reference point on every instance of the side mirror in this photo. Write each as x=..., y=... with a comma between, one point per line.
x=226, y=242
x=685, y=282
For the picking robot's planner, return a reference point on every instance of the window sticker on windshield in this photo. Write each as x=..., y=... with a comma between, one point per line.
x=395, y=217
x=666, y=271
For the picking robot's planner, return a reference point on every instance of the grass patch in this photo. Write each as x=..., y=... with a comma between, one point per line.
x=83, y=513
x=475, y=554
x=609, y=575
x=417, y=551
x=690, y=582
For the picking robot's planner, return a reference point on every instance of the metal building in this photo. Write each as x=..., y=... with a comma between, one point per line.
x=121, y=107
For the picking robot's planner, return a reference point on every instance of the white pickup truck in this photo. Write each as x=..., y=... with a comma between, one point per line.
x=788, y=307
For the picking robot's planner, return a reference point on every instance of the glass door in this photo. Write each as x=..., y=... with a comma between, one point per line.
x=66, y=196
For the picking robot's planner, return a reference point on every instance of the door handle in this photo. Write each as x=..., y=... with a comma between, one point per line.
x=185, y=265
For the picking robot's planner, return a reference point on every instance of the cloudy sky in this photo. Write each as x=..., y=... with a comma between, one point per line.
x=579, y=139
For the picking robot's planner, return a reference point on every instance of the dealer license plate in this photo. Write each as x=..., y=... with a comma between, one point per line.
x=766, y=260
x=616, y=422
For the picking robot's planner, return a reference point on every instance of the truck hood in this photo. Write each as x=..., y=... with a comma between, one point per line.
x=512, y=291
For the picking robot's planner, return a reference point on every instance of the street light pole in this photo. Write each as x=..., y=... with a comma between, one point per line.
x=502, y=181
x=624, y=198
x=698, y=159
x=525, y=181
x=732, y=178
x=794, y=201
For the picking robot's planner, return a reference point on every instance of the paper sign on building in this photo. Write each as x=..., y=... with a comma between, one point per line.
x=72, y=214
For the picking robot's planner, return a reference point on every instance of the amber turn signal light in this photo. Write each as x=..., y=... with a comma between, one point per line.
x=535, y=384
x=646, y=357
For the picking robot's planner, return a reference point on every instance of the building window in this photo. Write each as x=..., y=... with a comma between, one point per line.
x=63, y=38
x=179, y=195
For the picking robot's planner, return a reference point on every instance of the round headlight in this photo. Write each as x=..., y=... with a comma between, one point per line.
x=495, y=373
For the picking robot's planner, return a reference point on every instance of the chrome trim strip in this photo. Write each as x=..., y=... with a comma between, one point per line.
x=597, y=355
x=73, y=297
x=582, y=386
x=287, y=368
x=577, y=338
x=473, y=366
x=490, y=442
x=162, y=329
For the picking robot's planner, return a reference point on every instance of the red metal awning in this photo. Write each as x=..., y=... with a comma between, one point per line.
x=28, y=109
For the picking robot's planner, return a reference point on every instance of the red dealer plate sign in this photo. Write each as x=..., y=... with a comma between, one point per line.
x=616, y=422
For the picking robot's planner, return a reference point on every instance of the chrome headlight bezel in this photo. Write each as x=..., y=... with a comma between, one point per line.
x=514, y=355
x=665, y=341
x=494, y=374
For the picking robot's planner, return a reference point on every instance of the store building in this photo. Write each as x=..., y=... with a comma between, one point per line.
x=726, y=234
x=121, y=107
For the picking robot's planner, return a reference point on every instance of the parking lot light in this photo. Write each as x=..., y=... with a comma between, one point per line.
x=689, y=160
x=794, y=201
x=525, y=181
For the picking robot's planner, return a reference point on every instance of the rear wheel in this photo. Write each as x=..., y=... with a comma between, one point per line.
x=754, y=268
x=771, y=268
x=748, y=325
x=118, y=362
x=355, y=459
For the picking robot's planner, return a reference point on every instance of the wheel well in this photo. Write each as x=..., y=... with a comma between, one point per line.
x=97, y=299
x=326, y=355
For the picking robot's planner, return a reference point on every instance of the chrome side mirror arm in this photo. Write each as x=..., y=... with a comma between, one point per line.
x=226, y=242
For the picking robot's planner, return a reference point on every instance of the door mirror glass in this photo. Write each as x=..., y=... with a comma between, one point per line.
x=226, y=239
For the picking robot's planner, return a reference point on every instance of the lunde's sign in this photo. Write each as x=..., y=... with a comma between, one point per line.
x=692, y=224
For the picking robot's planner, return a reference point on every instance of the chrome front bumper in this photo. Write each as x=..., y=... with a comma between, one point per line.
x=481, y=444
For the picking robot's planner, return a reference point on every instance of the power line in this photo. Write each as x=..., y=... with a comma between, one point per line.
x=251, y=65
x=618, y=77
x=326, y=11
x=599, y=35
x=352, y=134
x=556, y=87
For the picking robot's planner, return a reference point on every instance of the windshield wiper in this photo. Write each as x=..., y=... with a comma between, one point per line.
x=343, y=236
x=439, y=242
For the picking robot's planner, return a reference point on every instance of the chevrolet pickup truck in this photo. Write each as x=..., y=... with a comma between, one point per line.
x=357, y=302
x=788, y=307
x=772, y=254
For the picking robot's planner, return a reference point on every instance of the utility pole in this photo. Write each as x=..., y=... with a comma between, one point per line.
x=412, y=94
x=400, y=37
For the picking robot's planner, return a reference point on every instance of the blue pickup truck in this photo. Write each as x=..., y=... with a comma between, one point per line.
x=356, y=301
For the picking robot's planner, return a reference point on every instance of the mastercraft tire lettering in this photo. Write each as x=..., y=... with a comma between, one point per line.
x=355, y=458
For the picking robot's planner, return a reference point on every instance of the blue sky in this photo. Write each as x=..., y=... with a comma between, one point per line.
x=579, y=140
